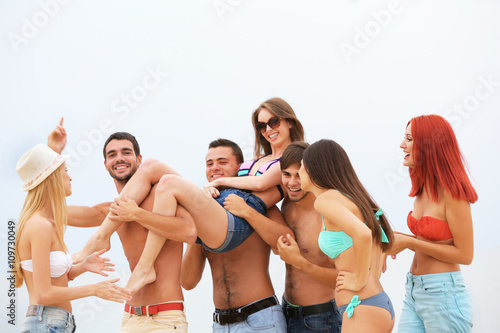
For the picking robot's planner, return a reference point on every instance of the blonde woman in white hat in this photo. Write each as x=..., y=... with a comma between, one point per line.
x=42, y=259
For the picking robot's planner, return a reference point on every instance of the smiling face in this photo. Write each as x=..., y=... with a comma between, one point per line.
x=277, y=136
x=292, y=184
x=66, y=179
x=407, y=146
x=306, y=183
x=121, y=161
x=221, y=162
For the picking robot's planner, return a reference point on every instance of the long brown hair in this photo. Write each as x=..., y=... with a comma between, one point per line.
x=329, y=167
x=50, y=190
x=280, y=108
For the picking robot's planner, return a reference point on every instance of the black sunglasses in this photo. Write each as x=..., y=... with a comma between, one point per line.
x=274, y=122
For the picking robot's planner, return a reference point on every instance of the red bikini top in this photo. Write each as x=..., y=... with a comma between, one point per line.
x=429, y=228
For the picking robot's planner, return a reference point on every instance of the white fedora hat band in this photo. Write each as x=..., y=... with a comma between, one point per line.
x=37, y=164
x=58, y=161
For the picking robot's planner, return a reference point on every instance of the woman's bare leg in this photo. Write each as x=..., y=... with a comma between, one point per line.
x=137, y=188
x=212, y=220
x=209, y=216
x=144, y=272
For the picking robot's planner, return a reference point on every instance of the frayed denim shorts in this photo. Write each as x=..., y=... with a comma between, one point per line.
x=43, y=319
x=238, y=229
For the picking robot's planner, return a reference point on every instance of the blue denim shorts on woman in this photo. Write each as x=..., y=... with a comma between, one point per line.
x=436, y=303
x=43, y=319
x=238, y=229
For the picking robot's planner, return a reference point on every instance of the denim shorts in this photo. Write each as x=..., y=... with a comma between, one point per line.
x=328, y=322
x=268, y=320
x=238, y=229
x=436, y=303
x=43, y=319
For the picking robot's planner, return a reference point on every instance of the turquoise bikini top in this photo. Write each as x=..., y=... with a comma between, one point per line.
x=333, y=243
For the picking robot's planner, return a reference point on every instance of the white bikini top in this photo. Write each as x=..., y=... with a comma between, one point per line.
x=60, y=264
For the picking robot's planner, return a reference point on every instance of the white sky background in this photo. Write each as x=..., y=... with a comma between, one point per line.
x=215, y=68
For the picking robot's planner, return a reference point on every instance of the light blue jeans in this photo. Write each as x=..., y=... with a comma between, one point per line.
x=268, y=320
x=436, y=303
x=43, y=319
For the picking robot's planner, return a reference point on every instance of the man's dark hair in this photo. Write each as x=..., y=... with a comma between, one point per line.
x=228, y=143
x=293, y=154
x=122, y=136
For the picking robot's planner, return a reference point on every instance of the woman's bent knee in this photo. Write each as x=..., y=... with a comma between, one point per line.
x=168, y=183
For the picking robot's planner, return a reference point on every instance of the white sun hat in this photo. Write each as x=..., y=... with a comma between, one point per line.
x=37, y=164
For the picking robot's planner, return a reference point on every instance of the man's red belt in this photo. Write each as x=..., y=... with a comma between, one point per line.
x=153, y=309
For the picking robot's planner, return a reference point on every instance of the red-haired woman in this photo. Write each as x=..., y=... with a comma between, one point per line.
x=436, y=299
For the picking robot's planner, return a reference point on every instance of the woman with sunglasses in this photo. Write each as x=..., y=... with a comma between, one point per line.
x=436, y=299
x=276, y=126
x=355, y=236
x=43, y=261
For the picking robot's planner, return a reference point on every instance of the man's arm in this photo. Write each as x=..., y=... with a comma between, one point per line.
x=269, y=228
x=83, y=216
x=193, y=264
x=179, y=228
x=289, y=252
x=269, y=179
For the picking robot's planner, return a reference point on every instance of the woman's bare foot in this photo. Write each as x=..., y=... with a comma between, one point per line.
x=95, y=243
x=139, y=278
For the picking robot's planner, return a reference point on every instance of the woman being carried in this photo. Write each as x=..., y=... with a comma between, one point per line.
x=356, y=234
x=44, y=262
x=436, y=299
x=276, y=126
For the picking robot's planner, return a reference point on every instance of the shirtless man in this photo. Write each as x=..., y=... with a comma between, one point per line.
x=308, y=302
x=164, y=298
x=243, y=293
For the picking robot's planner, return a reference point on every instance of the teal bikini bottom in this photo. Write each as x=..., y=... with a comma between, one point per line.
x=381, y=300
